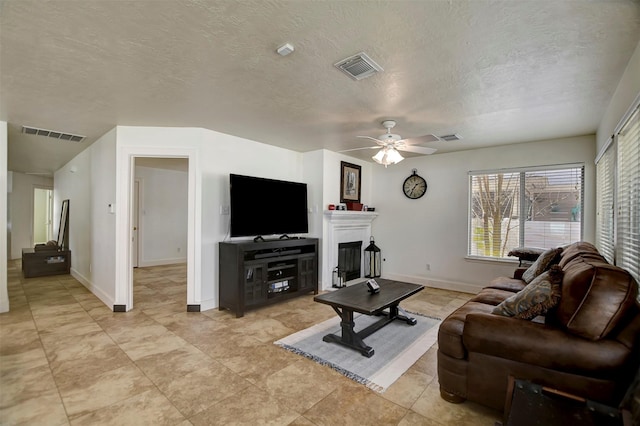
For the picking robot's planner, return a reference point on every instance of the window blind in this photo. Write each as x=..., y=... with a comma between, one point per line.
x=605, y=179
x=525, y=207
x=627, y=230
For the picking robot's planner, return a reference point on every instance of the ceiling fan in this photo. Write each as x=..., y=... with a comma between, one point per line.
x=390, y=143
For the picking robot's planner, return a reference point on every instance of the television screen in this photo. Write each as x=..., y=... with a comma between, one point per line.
x=261, y=206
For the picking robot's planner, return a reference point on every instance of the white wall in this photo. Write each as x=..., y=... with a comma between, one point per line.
x=88, y=183
x=21, y=210
x=325, y=167
x=218, y=155
x=433, y=229
x=627, y=91
x=163, y=216
x=4, y=296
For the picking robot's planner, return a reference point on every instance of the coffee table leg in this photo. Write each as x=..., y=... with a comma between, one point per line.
x=396, y=312
x=349, y=337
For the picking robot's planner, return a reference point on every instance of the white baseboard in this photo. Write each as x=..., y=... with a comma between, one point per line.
x=435, y=283
x=205, y=305
x=104, y=297
x=161, y=262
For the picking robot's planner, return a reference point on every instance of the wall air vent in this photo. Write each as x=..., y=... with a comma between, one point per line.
x=52, y=134
x=451, y=137
x=358, y=66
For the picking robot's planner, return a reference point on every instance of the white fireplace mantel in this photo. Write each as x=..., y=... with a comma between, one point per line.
x=350, y=216
x=343, y=226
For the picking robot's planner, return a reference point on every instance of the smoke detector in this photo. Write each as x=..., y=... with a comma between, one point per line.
x=285, y=49
x=358, y=66
x=52, y=134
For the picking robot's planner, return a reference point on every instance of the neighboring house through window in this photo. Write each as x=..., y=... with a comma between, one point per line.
x=525, y=207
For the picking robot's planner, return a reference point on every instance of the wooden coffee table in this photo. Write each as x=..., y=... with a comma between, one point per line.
x=357, y=298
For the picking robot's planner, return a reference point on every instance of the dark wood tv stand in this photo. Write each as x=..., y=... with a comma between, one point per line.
x=254, y=274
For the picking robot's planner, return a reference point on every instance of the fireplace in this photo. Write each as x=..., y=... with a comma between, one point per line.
x=343, y=227
x=349, y=259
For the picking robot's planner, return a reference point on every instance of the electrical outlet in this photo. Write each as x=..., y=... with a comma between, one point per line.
x=428, y=266
x=178, y=249
x=224, y=210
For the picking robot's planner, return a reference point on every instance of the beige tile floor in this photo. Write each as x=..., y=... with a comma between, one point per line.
x=65, y=358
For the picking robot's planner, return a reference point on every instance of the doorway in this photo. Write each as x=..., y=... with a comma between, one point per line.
x=126, y=158
x=42, y=215
x=159, y=232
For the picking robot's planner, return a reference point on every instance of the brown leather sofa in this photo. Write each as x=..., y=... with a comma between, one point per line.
x=588, y=345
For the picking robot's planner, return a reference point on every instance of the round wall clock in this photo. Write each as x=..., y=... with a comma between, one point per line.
x=414, y=186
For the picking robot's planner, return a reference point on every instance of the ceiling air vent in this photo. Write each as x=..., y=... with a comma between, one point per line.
x=358, y=66
x=451, y=137
x=52, y=134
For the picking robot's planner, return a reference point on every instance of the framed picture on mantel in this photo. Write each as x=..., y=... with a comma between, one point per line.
x=349, y=182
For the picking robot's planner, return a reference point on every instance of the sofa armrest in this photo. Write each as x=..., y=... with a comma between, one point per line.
x=542, y=345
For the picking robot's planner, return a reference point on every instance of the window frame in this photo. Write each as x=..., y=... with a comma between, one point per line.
x=522, y=216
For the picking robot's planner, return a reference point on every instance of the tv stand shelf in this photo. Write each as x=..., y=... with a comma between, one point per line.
x=254, y=274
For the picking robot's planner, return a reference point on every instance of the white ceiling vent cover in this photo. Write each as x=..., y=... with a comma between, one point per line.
x=358, y=66
x=52, y=134
x=451, y=137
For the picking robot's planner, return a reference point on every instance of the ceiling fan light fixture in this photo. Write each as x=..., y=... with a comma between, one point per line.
x=387, y=156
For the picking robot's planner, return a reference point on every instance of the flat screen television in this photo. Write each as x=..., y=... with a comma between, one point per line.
x=262, y=207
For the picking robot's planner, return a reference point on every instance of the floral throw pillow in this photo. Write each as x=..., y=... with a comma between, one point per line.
x=541, y=264
x=535, y=299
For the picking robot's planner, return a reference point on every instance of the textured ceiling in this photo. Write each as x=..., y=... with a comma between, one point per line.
x=496, y=72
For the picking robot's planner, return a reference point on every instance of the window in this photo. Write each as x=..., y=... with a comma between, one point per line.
x=618, y=183
x=605, y=238
x=628, y=197
x=529, y=207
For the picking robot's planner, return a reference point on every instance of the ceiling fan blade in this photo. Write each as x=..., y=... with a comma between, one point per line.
x=416, y=149
x=378, y=141
x=420, y=139
x=358, y=149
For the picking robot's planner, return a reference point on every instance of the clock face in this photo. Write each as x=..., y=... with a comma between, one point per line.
x=414, y=186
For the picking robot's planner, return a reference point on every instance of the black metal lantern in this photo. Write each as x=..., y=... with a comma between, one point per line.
x=372, y=260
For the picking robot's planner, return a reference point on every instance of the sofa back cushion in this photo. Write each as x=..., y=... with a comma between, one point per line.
x=581, y=249
x=595, y=296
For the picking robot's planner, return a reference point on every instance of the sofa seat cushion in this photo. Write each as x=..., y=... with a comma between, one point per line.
x=492, y=296
x=451, y=329
x=595, y=297
x=507, y=284
x=538, y=344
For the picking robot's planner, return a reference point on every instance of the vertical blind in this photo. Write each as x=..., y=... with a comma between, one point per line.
x=628, y=196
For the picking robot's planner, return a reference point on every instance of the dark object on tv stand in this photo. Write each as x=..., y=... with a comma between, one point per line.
x=285, y=201
x=254, y=274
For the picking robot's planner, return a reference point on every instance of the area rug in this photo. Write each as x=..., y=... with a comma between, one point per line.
x=397, y=347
